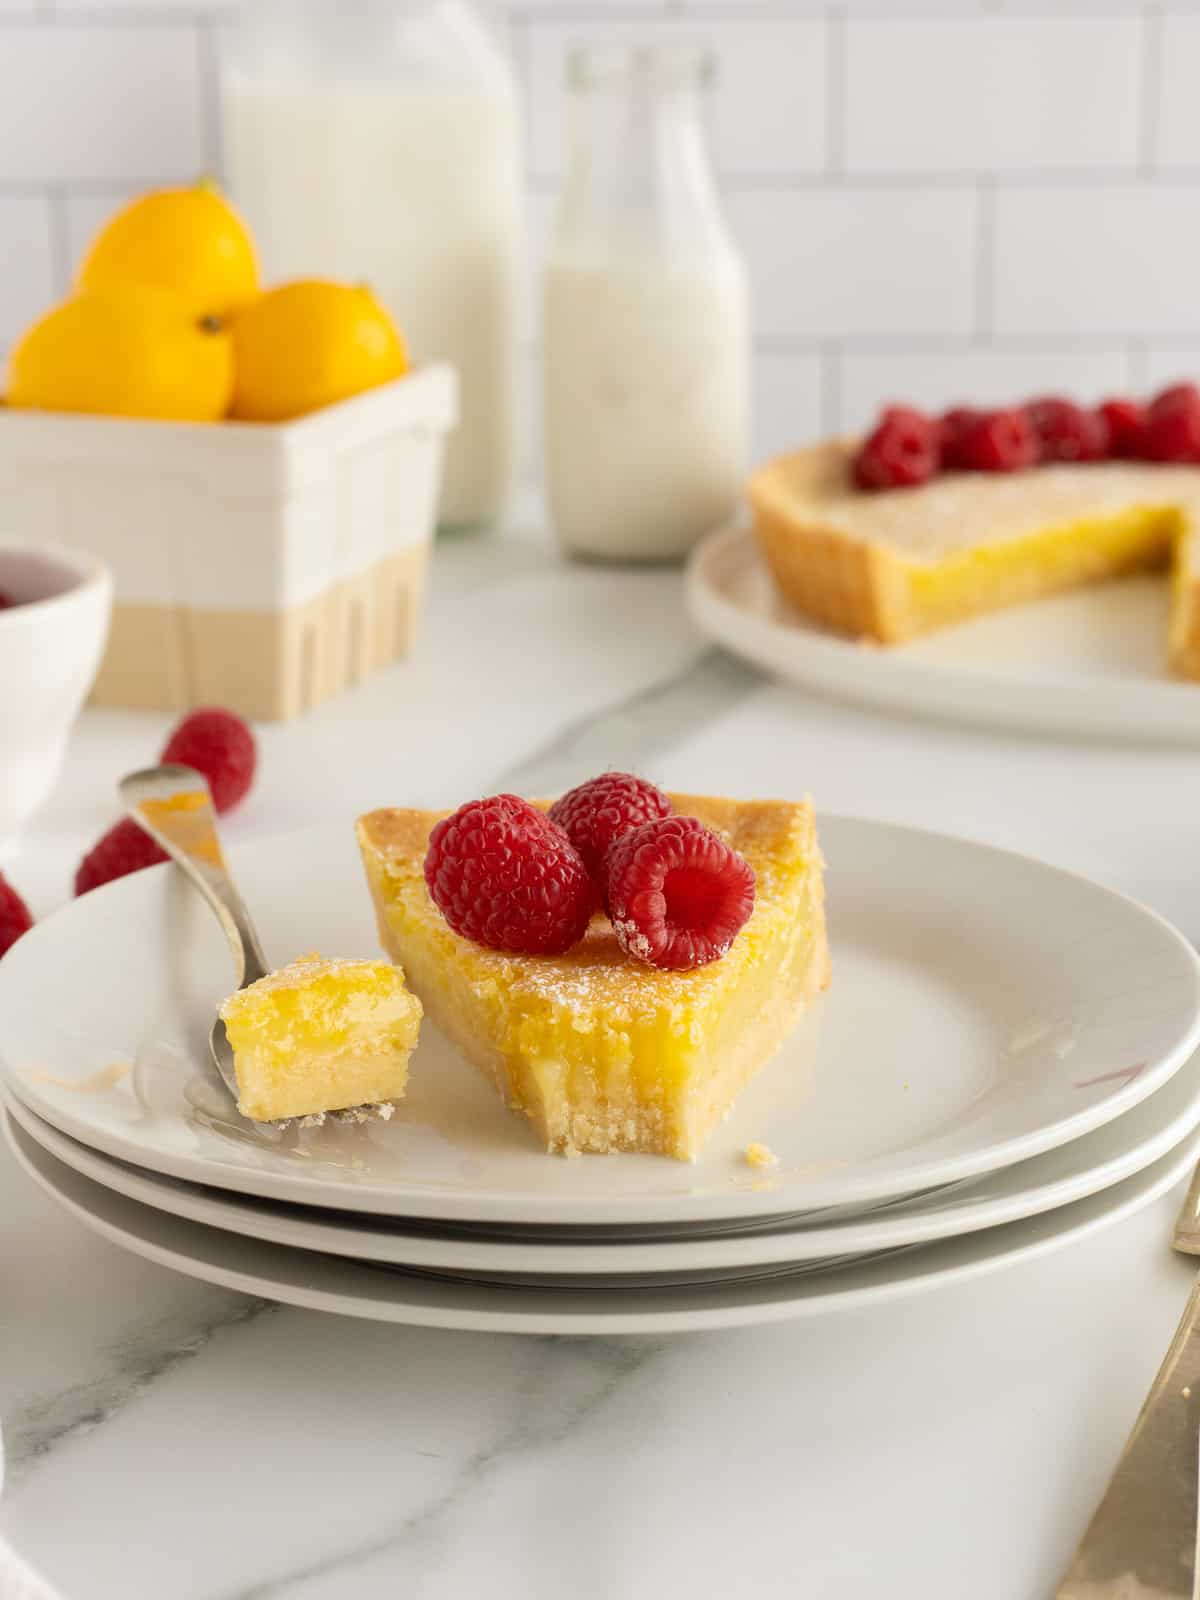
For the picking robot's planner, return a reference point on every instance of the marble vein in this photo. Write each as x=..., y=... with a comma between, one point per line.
x=611, y=1362
x=139, y=1362
x=632, y=731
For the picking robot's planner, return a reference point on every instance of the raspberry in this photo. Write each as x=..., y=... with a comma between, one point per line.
x=504, y=875
x=901, y=452
x=999, y=441
x=14, y=916
x=953, y=427
x=1172, y=431
x=125, y=848
x=1126, y=421
x=6, y=601
x=1066, y=432
x=678, y=895
x=597, y=813
x=220, y=745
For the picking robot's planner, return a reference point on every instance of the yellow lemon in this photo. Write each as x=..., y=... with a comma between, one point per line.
x=308, y=344
x=128, y=350
x=190, y=240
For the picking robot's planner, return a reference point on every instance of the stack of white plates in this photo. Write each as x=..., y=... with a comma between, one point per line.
x=1004, y=1063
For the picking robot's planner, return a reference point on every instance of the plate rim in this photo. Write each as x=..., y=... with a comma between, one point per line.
x=767, y=1301
x=804, y=653
x=434, y=1203
x=239, y=1213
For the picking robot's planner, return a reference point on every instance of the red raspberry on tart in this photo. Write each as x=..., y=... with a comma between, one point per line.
x=1126, y=421
x=678, y=895
x=902, y=451
x=1066, y=431
x=505, y=876
x=597, y=813
x=1172, y=430
x=953, y=427
x=999, y=441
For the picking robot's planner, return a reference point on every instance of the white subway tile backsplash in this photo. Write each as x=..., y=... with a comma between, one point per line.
x=978, y=375
x=87, y=213
x=94, y=102
x=26, y=248
x=786, y=402
x=1115, y=258
x=768, y=103
x=828, y=263
x=1177, y=120
x=991, y=93
x=1159, y=365
x=938, y=199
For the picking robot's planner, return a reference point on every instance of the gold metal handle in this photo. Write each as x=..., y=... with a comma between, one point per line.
x=175, y=807
x=1141, y=1543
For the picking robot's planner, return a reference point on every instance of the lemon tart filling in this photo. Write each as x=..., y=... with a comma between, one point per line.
x=890, y=566
x=321, y=1035
x=598, y=1051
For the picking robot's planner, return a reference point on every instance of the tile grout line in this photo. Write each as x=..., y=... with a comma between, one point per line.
x=208, y=65
x=836, y=94
x=831, y=388
x=1150, y=89
x=985, y=261
x=60, y=238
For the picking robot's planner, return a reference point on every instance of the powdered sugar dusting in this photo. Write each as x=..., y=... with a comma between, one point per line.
x=946, y=514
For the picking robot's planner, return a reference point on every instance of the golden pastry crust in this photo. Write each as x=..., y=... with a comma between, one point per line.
x=601, y=1052
x=893, y=565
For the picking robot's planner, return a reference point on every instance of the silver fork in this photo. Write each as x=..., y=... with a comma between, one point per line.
x=173, y=804
x=175, y=807
x=1142, y=1540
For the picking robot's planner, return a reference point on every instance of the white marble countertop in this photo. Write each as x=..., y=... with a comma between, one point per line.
x=166, y=1439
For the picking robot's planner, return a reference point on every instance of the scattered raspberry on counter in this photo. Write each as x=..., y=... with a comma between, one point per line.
x=904, y=450
x=1067, y=432
x=678, y=895
x=125, y=848
x=505, y=876
x=597, y=813
x=218, y=744
x=15, y=917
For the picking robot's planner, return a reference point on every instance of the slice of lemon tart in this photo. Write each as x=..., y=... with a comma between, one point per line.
x=600, y=1051
x=894, y=564
x=321, y=1035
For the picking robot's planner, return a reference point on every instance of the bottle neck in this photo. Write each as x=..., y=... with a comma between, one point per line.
x=639, y=176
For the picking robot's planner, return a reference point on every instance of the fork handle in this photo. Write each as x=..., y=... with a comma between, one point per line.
x=174, y=806
x=1142, y=1538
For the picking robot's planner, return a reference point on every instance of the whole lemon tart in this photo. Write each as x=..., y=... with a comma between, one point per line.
x=602, y=1052
x=894, y=564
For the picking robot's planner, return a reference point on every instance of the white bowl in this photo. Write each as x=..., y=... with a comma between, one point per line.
x=51, y=643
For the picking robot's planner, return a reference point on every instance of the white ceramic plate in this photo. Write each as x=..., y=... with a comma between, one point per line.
x=985, y=1008
x=387, y=1294
x=1083, y=1167
x=1088, y=663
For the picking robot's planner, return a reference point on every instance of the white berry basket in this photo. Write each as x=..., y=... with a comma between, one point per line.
x=259, y=566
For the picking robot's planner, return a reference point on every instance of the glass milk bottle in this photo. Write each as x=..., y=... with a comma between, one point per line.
x=378, y=140
x=646, y=317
